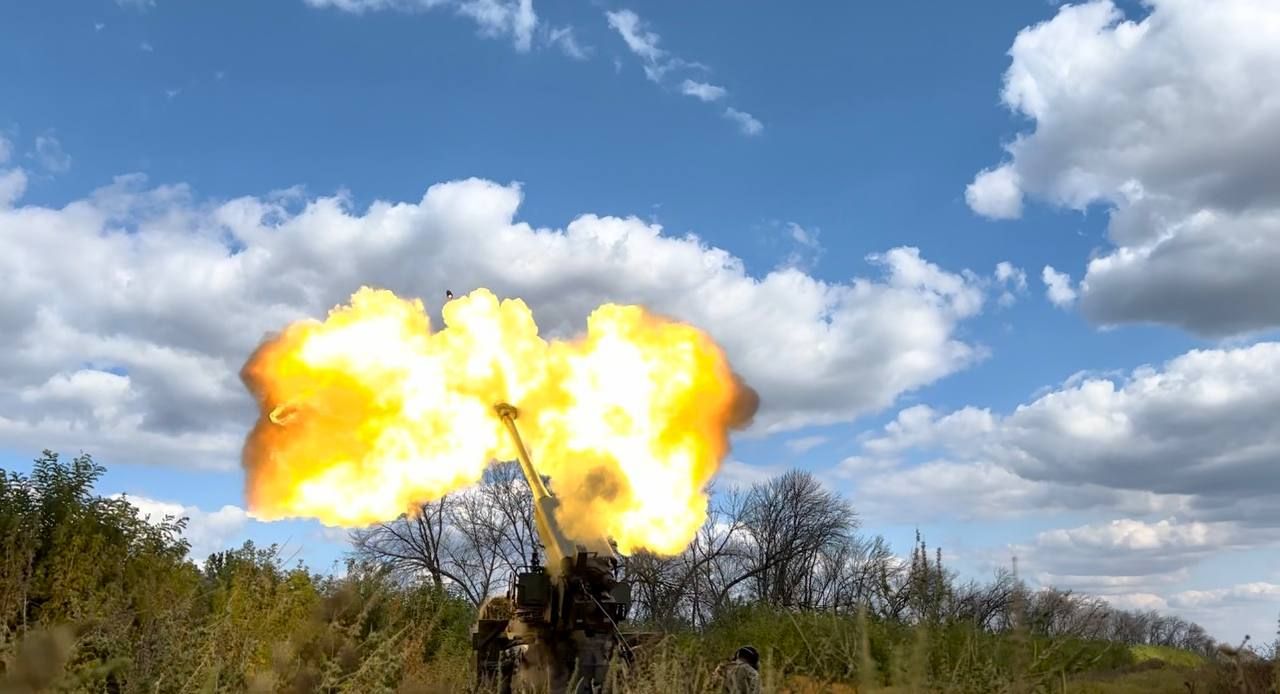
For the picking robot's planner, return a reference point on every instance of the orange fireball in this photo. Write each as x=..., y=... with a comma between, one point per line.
x=369, y=413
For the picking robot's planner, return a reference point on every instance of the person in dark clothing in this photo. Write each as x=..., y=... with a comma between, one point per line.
x=741, y=675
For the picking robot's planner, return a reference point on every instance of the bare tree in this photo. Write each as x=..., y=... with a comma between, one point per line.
x=410, y=546
x=787, y=542
x=469, y=543
x=789, y=521
x=493, y=531
x=689, y=588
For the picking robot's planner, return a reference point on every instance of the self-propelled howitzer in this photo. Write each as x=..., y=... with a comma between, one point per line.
x=557, y=626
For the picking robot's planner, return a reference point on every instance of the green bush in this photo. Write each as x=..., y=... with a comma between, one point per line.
x=94, y=598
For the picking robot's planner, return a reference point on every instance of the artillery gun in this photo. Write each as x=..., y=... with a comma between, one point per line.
x=558, y=622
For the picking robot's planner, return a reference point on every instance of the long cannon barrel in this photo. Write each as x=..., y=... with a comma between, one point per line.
x=558, y=546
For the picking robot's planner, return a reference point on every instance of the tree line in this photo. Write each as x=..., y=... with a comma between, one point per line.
x=788, y=543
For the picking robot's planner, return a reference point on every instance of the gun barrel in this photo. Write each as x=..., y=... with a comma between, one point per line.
x=508, y=414
x=558, y=546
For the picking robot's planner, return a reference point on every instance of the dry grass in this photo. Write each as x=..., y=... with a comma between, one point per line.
x=94, y=599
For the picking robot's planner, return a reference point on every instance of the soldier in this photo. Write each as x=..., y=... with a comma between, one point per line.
x=741, y=675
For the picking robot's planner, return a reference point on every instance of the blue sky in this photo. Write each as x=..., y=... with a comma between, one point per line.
x=872, y=127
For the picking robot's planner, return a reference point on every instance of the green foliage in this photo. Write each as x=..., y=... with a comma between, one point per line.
x=1167, y=655
x=954, y=657
x=73, y=558
x=95, y=598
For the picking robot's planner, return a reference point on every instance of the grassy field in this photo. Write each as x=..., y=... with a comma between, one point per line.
x=94, y=598
x=1166, y=655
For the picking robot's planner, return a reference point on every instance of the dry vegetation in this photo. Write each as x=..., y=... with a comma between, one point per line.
x=94, y=598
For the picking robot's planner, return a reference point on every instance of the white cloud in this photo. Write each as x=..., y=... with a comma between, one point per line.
x=641, y=41
x=514, y=19
x=807, y=249
x=143, y=353
x=1126, y=534
x=658, y=63
x=920, y=427
x=206, y=531
x=1258, y=591
x=702, y=91
x=50, y=155
x=735, y=473
x=1058, y=287
x=100, y=394
x=1140, y=602
x=1196, y=436
x=1233, y=611
x=13, y=184
x=1006, y=273
x=747, y=123
x=1119, y=555
x=995, y=193
x=802, y=236
x=564, y=39
x=944, y=490
x=804, y=444
x=146, y=47
x=1156, y=120
x=858, y=466
x=140, y=5
x=1200, y=425
x=1012, y=280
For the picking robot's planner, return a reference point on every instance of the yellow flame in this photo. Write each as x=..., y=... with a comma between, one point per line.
x=370, y=412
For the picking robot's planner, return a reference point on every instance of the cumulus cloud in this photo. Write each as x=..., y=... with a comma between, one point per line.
x=1196, y=435
x=1175, y=462
x=702, y=91
x=747, y=123
x=1007, y=274
x=995, y=193
x=1058, y=287
x=13, y=184
x=1155, y=120
x=13, y=181
x=1097, y=554
x=132, y=352
x=1256, y=592
x=804, y=444
x=1140, y=602
x=1012, y=281
x=737, y=474
x=922, y=427
x=512, y=19
x=1231, y=612
x=206, y=531
x=948, y=490
x=1200, y=425
x=858, y=466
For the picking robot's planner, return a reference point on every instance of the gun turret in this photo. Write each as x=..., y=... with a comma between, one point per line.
x=557, y=622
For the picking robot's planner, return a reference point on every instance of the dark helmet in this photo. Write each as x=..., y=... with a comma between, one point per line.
x=750, y=656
